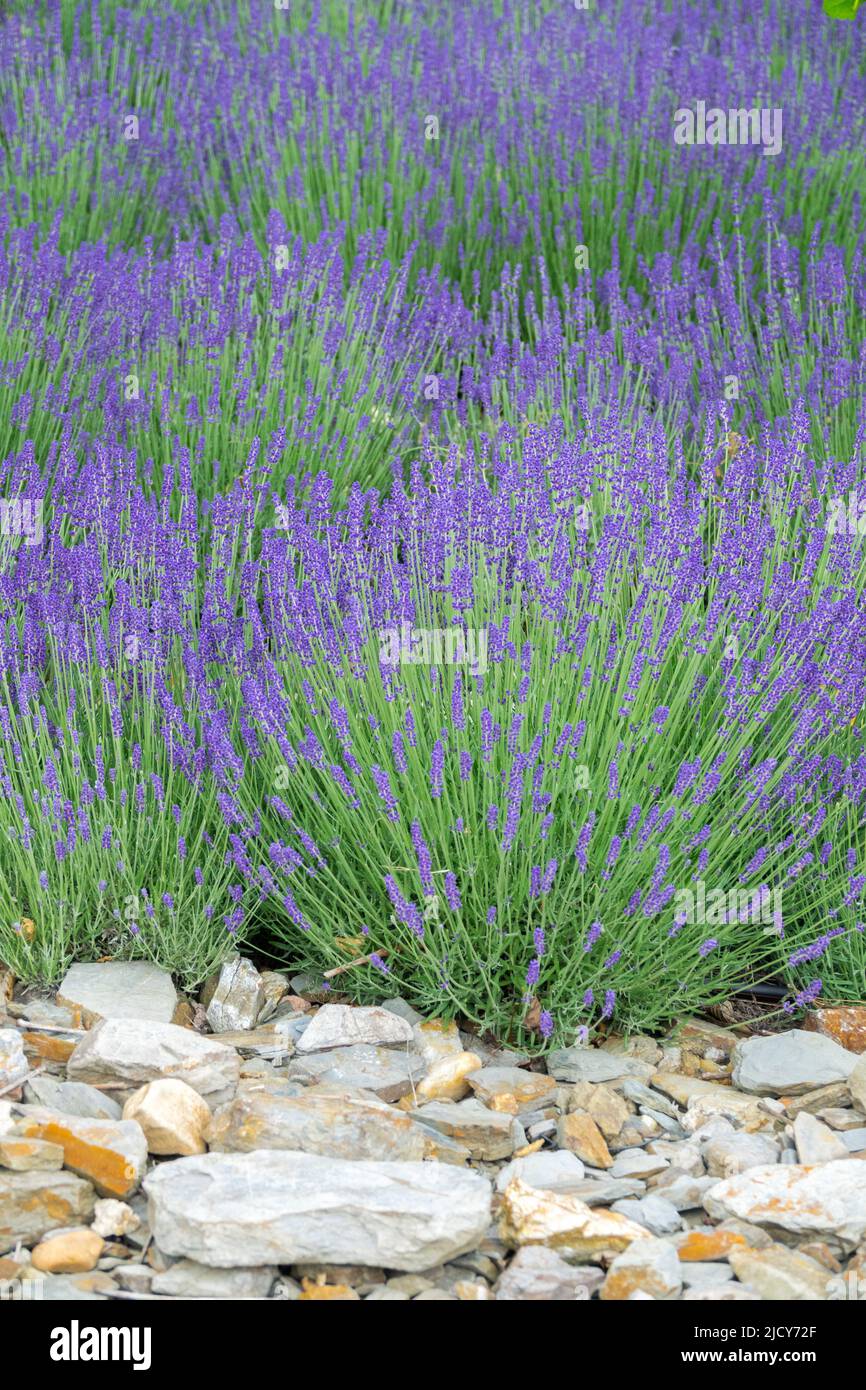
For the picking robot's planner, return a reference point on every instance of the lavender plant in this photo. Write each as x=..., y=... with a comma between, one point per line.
x=430, y=500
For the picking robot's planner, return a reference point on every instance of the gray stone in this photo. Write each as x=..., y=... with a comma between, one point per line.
x=136, y=1051
x=701, y=1275
x=721, y=1293
x=71, y=1098
x=120, y=989
x=555, y=1170
x=238, y=998
x=854, y=1140
x=32, y=1204
x=188, y=1279
x=602, y=1191
x=390, y=1073
x=537, y=1274
x=590, y=1064
x=487, y=1134
x=682, y=1190
x=636, y=1163
x=334, y=1121
x=815, y=1142
x=13, y=1063
x=643, y=1095
x=656, y=1213
x=340, y=1025
x=827, y=1201
x=790, y=1063
x=281, y=1207
x=735, y=1153
x=112, y=1154
x=76, y=1288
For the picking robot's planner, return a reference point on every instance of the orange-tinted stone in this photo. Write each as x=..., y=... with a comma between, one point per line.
x=845, y=1024
x=715, y=1245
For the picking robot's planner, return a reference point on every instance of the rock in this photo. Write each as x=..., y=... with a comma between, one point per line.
x=238, y=998
x=274, y=988
x=173, y=1116
x=487, y=1134
x=340, y=1025
x=30, y=1155
x=706, y=1098
x=845, y=1024
x=554, y=1170
x=600, y=1191
x=720, y=1293
x=697, y=1035
x=591, y=1064
x=704, y=1276
x=839, y=1119
x=136, y=1051
x=829, y=1200
x=188, y=1279
x=332, y=1121
x=685, y=1156
x=815, y=1142
x=636, y=1091
x=813, y=1101
x=511, y=1090
x=71, y=1097
x=789, y=1063
x=655, y=1213
x=435, y=1040
x=636, y=1163
x=447, y=1078
x=537, y=1274
x=73, y=1252
x=13, y=1063
x=682, y=1190
x=283, y=1208
x=78, y=1288
x=648, y=1266
x=639, y=1046
x=403, y=1010
x=119, y=989
x=135, y=1278
x=389, y=1073
x=857, y=1083
x=113, y=1218
x=580, y=1135
x=111, y=1153
x=702, y=1246
x=854, y=1140
x=608, y=1109
x=736, y=1153
x=780, y=1274
x=563, y=1222
x=31, y=1204
x=383, y=1294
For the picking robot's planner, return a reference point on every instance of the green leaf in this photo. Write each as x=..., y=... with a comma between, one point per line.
x=841, y=9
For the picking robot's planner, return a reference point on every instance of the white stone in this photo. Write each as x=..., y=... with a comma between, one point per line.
x=13, y=1063
x=815, y=1142
x=283, y=1207
x=829, y=1200
x=238, y=998
x=340, y=1025
x=120, y=989
x=136, y=1051
x=188, y=1279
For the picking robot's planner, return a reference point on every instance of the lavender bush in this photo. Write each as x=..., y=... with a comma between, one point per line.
x=431, y=501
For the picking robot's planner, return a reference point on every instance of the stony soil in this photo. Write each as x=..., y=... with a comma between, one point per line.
x=269, y=1141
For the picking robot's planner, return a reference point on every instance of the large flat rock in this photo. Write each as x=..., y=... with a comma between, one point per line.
x=282, y=1207
x=120, y=989
x=136, y=1051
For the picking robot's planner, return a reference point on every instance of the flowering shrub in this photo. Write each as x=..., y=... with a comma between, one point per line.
x=430, y=501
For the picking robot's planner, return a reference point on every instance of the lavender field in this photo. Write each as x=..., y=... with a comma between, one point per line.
x=433, y=499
